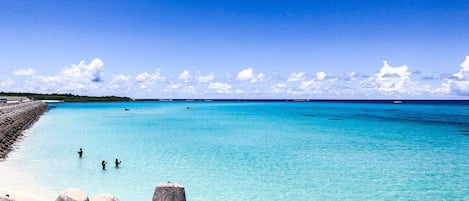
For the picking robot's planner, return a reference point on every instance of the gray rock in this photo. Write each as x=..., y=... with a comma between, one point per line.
x=169, y=191
x=104, y=197
x=5, y=198
x=72, y=194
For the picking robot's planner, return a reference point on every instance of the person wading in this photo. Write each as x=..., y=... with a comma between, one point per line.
x=80, y=153
x=104, y=164
x=118, y=163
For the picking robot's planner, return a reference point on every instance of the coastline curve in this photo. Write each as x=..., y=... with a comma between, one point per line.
x=14, y=119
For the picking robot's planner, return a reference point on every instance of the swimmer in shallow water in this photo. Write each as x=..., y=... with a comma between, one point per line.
x=80, y=153
x=118, y=162
x=104, y=164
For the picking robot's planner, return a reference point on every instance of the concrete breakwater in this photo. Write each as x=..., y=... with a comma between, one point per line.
x=14, y=119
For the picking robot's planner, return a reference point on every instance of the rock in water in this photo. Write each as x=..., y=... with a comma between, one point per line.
x=169, y=191
x=104, y=197
x=72, y=194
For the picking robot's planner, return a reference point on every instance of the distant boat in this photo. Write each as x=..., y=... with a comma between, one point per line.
x=397, y=102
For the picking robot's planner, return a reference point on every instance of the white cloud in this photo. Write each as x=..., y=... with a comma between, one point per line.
x=459, y=87
x=223, y=88
x=84, y=72
x=395, y=82
x=119, y=81
x=321, y=75
x=172, y=87
x=246, y=74
x=120, y=77
x=459, y=84
x=205, y=78
x=279, y=87
x=308, y=85
x=24, y=72
x=147, y=77
x=464, y=71
x=296, y=76
x=185, y=76
x=175, y=86
x=76, y=78
x=143, y=76
x=392, y=79
x=147, y=80
x=261, y=77
x=350, y=76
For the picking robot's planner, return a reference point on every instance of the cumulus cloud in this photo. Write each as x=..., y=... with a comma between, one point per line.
x=24, y=72
x=87, y=72
x=459, y=84
x=219, y=87
x=296, y=76
x=464, y=71
x=185, y=76
x=246, y=74
x=389, y=81
x=77, y=77
x=392, y=79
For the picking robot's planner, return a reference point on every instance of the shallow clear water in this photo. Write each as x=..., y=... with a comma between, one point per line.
x=252, y=150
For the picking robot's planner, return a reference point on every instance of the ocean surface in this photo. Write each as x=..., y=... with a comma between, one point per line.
x=256, y=151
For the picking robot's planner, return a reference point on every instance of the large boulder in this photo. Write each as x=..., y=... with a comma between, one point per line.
x=6, y=198
x=104, y=197
x=72, y=194
x=169, y=191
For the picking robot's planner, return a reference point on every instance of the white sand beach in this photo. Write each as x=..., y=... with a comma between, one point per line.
x=21, y=186
x=11, y=195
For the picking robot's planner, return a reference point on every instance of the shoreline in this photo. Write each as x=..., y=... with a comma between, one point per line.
x=16, y=118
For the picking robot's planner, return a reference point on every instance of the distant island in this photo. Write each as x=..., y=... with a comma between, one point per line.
x=63, y=97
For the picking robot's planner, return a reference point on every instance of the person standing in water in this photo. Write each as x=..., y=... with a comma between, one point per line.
x=118, y=163
x=80, y=153
x=104, y=164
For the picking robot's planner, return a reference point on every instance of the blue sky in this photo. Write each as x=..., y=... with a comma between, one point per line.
x=237, y=49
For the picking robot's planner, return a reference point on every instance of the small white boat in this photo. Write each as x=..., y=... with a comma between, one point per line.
x=397, y=102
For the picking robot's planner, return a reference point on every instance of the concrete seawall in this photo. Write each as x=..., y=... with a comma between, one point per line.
x=14, y=119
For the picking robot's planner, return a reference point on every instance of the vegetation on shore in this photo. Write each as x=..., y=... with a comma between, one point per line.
x=66, y=97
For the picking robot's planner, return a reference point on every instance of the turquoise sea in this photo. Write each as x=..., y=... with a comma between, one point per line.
x=255, y=151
